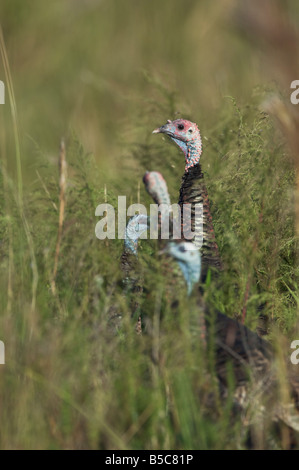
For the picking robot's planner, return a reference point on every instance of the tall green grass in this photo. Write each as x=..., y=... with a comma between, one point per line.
x=69, y=380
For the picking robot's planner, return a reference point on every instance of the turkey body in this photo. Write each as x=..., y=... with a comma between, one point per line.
x=193, y=191
x=244, y=363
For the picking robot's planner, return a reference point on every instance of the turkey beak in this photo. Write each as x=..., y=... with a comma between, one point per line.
x=162, y=130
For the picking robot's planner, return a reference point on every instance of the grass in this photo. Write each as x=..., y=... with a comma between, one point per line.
x=69, y=381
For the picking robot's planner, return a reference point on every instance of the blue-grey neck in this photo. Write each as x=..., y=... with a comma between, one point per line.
x=191, y=273
x=192, y=151
x=182, y=145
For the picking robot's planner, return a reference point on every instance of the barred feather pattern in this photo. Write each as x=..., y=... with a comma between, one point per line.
x=193, y=191
x=186, y=135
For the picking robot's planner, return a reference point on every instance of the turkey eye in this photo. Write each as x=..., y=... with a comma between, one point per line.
x=182, y=249
x=181, y=127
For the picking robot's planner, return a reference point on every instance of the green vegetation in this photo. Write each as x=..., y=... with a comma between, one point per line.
x=104, y=74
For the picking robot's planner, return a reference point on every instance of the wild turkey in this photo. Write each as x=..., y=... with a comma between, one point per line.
x=156, y=186
x=137, y=225
x=239, y=350
x=236, y=347
x=132, y=275
x=193, y=190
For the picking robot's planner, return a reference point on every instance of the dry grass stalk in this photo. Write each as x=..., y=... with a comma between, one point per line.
x=62, y=186
x=139, y=326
